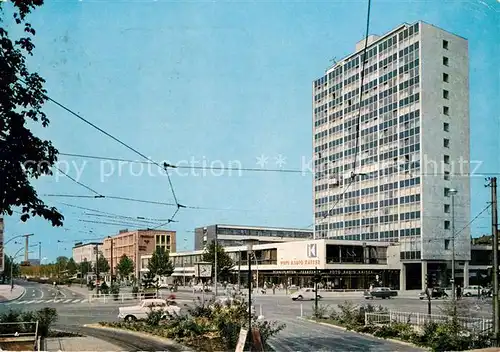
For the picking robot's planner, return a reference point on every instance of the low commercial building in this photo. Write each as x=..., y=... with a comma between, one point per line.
x=86, y=252
x=235, y=235
x=343, y=264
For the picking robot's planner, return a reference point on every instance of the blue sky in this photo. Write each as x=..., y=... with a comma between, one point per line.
x=221, y=82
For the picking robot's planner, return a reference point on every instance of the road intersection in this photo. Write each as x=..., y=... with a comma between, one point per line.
x=75, y=310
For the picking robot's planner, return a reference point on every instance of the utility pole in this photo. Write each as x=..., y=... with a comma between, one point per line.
x=494, y=230
x=111, y=260
x=97, y=268
x=316, y=279
x=453, y=192
x=40, y=258
x=26, y=246
x=215, y=259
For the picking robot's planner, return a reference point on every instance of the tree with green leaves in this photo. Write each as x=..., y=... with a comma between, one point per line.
x=125, y=266
x=224, y=261
x=159, y=265
x=8, y=263
x=102, y=264
x=61, y=263
x=85, y=267
x=23, y=156
x=71, y=267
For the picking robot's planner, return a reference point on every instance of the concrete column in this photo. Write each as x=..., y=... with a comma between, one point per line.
x=424, y=273
x=402, y=278
x=466, y=274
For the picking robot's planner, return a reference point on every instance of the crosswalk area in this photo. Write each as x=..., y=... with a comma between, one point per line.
x=50, y=301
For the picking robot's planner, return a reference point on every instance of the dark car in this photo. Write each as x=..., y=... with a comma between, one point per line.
x=435, y=293
x=380, y=292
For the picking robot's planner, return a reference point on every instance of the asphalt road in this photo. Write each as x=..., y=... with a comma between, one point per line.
x=75, y=310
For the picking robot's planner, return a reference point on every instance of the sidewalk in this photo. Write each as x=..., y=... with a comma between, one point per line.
x=7, y=295
x=87, y=343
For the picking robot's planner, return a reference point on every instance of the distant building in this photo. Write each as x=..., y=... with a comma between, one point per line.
x=86, y=251
x=135, y=244
x=235, y=235
x=34, y=262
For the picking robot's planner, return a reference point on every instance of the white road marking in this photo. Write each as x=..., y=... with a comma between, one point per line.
x=29, y=302
x=67, y=301
x=40, y=301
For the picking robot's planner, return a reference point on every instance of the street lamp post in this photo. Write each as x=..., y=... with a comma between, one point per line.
x=453, y=192
x=12, y=258
x=249, y=260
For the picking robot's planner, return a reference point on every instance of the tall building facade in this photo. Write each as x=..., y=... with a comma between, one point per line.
x=391, y=181
x=135, y=244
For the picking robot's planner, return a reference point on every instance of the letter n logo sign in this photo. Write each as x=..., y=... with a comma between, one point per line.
x=312, y=250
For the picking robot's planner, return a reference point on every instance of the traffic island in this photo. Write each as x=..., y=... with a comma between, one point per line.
x=208, y=326
x=436, y=332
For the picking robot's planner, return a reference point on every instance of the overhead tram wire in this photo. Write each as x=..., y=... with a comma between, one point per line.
x=164, y=167
x=80, y=183
x=218, y=168
x=222, y=168
x=114, y=197
x=358, y=122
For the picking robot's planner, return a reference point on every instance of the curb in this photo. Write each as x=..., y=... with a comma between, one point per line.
x=168, y=342
x=16, y=298
x=404, y=343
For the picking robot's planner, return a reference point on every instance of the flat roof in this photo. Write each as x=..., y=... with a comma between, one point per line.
x=87, y=244
x=230, y=249
x=270, y=228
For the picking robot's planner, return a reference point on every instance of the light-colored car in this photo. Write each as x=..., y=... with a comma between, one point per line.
x=304, y=294
x=141, y=311
x=201, y=288
x=472, y=291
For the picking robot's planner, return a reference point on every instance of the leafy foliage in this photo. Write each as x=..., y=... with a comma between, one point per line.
x=160, y=263
x=46, y=317
x=102, y=264
x=71, y=267
x=447, y=336
x=125, y=266
x=224, y=261
x=8, y=265
x=85, y=267
x=207, y=325
x=23, y=156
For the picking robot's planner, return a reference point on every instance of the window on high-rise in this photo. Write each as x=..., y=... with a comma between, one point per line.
x=446, y=192
x=446, y=143
x=446, y=127
x=445, y=44
x=446, y=176
x=446, y=110
x=446, y=224
x=446, y=61
x=446, y=208
x=446, y=244
x=446, y=77
x=446, y=159
x=446, y=94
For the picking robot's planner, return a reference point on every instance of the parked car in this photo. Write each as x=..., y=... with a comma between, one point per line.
x=304, y=293
x=435, y=293
x=472, y=291
x=380, y=292
x=201, y=288
x=141, y=311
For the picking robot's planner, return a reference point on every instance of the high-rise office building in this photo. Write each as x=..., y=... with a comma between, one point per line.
x=398, y=178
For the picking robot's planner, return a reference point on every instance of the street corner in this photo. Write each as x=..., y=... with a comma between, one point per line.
x=7, y=294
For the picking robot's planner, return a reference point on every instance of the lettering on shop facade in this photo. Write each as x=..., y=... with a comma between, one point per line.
x=301, y=262
x=328, y=272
